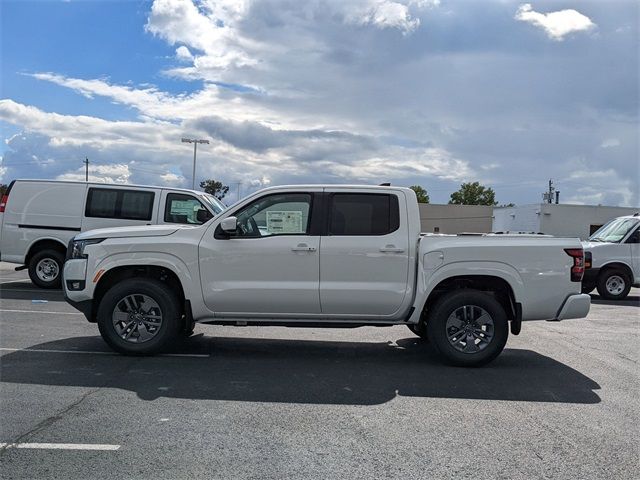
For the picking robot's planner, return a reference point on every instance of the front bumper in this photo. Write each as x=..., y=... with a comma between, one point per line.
x=575, y=306
x=74, y=272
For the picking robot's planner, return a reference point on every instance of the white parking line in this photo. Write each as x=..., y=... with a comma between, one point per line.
x=91, y=352
x=39, y=311
x=62, y=446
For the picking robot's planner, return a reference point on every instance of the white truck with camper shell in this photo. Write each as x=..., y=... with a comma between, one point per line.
x=322, y=256
x=612, y=258
x=39, y=217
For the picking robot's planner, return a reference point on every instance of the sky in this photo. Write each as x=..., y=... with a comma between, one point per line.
x=413, y=92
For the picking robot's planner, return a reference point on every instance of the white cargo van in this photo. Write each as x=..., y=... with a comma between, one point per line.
x=38, y=218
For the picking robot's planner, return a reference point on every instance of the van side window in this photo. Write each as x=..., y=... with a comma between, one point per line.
x=363, y=214
x=117, y=203
x=182, y=208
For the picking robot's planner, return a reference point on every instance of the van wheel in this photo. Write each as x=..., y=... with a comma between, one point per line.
x=139, y=316
x=614, y=284
x=469, y=328
x=45, y=269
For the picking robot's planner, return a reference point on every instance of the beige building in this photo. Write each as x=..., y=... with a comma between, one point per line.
x=435, y=218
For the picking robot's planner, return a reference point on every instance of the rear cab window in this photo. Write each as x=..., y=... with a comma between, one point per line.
x=358, y=214
x=119, y=203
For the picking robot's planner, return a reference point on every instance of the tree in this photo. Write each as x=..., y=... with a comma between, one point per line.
x=215, y=188
x=3, y=188
x=473, y=194
x=421, y=193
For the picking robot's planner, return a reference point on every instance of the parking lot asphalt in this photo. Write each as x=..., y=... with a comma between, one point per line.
x=560, y=402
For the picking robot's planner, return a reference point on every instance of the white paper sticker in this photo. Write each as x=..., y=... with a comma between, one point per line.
x=284, y=222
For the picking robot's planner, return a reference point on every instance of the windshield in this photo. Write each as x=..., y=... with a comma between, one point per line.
x=614, y=231
x=214, y=203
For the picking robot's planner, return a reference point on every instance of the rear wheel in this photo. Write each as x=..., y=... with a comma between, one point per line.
x=45, y=269
x=614, y=284
x=469, y=328
x=139, y=316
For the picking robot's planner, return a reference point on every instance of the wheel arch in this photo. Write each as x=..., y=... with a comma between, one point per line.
x=613, y=265
x=495, y=285
x=119, y=273
x=44, y=244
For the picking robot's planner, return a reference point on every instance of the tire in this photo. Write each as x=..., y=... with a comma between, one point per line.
x=420, y=330
x=447, y=317
x=133, y=309
x=45, y=268
x=588, y=287
x=613, y=284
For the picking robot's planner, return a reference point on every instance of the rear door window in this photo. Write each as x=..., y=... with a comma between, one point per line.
x=363, y=214
x=118, y=203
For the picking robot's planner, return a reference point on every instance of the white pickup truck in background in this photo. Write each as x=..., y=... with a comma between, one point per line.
x=322, y=256
x=612, y=258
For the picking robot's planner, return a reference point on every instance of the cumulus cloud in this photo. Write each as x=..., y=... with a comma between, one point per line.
x=183, y=54
x=558, y=24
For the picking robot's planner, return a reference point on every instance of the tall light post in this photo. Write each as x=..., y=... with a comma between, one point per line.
x=195, y=142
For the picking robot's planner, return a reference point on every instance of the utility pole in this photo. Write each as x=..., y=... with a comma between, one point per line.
x=86, y=169
x=238, y=183
x=195, y=149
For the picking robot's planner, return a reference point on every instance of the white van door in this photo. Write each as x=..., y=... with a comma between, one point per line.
x=108, y=206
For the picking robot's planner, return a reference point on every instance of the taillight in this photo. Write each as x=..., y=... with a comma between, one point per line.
x=577, y=270
x=588, y=260
x=3, y=202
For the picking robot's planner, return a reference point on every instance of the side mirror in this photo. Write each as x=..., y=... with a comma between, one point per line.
x=203, y=215
x=229, y=225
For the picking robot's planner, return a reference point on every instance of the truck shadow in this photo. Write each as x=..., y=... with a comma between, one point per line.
x=25, y=290
x=630, y=301
x=292, y=371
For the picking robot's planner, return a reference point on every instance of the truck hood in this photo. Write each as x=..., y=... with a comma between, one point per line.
x=125, y=232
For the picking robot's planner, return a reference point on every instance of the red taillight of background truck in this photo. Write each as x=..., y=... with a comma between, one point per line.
x=577, y=270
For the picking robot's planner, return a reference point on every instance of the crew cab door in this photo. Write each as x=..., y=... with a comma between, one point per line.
x=270, y=266
x=364, y=258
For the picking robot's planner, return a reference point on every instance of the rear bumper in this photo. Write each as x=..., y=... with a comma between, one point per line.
x=575, y=306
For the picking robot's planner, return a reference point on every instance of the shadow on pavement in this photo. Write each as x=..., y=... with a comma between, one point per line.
x=25, y=290
x=630, y=301
x=292, y=371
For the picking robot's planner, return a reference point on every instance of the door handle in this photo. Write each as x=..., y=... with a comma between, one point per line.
x=303, y=247
x=391, y=249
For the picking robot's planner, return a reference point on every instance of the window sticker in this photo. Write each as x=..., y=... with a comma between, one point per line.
x=284, y=222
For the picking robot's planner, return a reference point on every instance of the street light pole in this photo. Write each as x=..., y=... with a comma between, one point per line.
x=195, y=142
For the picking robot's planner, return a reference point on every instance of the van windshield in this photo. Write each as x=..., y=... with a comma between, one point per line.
x=614, y=231
x=214, y=203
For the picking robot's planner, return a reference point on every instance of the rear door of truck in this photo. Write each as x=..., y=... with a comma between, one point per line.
x=364, y=256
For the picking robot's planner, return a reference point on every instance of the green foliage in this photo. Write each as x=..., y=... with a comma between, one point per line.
x=473, y=194
x=215, y=188
x=421, y=193
x=3, y=188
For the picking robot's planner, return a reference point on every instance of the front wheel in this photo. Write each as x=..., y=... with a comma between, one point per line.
x=469, y=328
x=614, y=284
x=139, y=316
x=45, y=269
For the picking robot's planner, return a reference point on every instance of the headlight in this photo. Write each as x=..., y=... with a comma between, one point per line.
x=76, y=249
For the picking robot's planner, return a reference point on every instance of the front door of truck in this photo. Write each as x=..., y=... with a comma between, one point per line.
x=364, y=258
x=270, y=266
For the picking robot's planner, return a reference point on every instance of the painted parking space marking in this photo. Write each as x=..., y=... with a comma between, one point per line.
x=39, y=311
x=62, y=446
x=96, y=352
